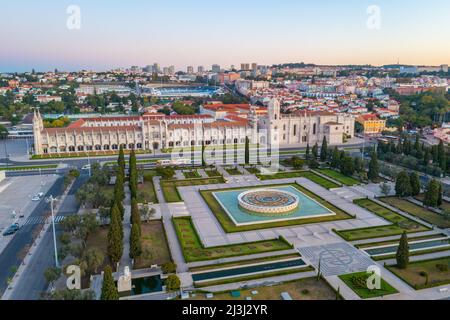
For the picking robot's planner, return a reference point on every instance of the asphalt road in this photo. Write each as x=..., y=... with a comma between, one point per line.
x=33, y=282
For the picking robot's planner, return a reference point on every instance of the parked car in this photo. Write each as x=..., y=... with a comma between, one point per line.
x=40, y=194
x=35, y=198
x=11, y=229
x=86, y=167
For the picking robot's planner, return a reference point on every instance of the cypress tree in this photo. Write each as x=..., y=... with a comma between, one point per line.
x=402, y=255
x=315, y=151
x=109, y=290
x=135, y=242
x=415, y=184
x=247, y=151
x=432, y=194
x=135, y=216
x=203, y=154
x=440, y=201
x=121, y=159
x=417, y=143
x=307, y=152
x=442, y=157
x=374, y=169
x=133, y=174
x=324, y=150
x=115, y=236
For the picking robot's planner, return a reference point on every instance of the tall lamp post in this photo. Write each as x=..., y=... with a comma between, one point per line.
x=54, y=231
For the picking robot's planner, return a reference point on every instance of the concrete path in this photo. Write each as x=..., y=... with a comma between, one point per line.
x=202, y=173
x=174, y=245
x=260, y=282
x=126, y=261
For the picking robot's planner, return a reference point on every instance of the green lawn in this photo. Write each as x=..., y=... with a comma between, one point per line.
x=155, y=249
x=213, y=173
x=358, y=283
x=418, y=211
x=445, y=205
x=383, y=243
x=229, y=226
x=339, y=177
x=192, y=174
x=301, y=174
x=233, y=171
x=169, y=187
x=399, y=223
x=438, y=271
x=193, y=249
x=245, y=262
x=253, y=170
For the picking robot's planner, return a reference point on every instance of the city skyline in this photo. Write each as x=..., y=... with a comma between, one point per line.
x=139, y=33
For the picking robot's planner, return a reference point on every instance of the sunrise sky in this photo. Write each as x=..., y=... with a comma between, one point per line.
x=33, y=34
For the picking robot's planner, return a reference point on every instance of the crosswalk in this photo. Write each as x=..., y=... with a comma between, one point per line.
x=41, y=220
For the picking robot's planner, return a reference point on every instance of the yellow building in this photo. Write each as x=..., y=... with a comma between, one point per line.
x=372, y=124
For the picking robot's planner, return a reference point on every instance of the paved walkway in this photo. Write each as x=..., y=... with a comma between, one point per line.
x=126, y=261
x=211, y=233
x=260, y=282
x=174, y=245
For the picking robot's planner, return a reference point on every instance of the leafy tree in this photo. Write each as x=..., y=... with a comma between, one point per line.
x=415, y=184
x=169, y=267
x=347, y=166
x=324, y=150
x=109, y=290
x=385, y=189
x=94, y=258
x=173, y=283
x=135, y=242
x=374, y=169
x=403, y=185
x=402, y=255
x=3, y=132
x=51, y=275
x=67, y=294
x=336, y=158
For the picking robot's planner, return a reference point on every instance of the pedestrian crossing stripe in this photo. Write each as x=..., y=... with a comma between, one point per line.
x=42, y=220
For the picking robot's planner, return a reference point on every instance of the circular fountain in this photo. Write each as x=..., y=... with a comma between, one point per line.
x=268, y=202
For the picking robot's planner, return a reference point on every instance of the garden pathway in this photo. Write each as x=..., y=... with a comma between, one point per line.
x=126, y=261
x=175, y=248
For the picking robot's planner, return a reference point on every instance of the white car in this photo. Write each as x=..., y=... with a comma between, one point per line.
x=86, y=167
x=35, y=198
x=40, y=194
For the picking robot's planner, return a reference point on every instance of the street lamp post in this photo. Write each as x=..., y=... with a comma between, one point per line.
x=89, y=164
x=54, y=231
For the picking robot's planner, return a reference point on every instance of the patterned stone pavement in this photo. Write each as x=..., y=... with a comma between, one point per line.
x=336, y=258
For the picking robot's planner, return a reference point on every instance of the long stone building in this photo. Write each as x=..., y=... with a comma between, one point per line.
x=158, y=131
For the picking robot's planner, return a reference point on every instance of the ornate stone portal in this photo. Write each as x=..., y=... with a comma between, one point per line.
x=268, y=202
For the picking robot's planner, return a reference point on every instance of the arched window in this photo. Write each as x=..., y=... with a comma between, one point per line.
x=314, y=128
x=295, y=130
